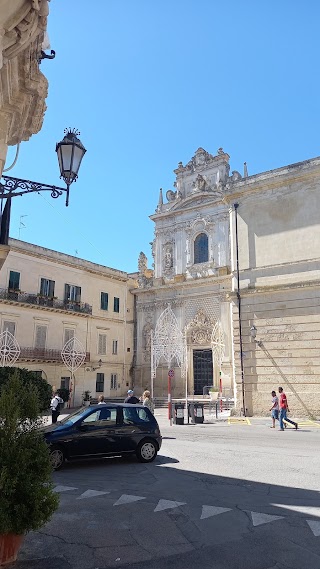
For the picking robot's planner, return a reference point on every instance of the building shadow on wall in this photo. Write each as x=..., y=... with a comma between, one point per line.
x=286, y=381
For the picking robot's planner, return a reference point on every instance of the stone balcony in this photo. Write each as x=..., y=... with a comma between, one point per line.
x=37, y=300
x=29, y=354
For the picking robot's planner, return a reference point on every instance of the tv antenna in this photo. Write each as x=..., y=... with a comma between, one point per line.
x=21, y=224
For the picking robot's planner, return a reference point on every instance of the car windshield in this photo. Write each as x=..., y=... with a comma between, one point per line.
x=73, y=417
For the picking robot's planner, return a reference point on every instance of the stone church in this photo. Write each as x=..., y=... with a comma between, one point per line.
x=236, y=258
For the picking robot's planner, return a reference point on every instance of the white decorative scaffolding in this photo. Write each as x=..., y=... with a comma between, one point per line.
x=9, y=349
x=168, y=343
x=73, y=355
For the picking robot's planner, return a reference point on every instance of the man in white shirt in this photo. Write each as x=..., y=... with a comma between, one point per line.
x=55, y=406
x=274, y=409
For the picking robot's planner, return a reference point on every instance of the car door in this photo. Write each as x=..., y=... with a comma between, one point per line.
x=98, y=433
x=136, y=424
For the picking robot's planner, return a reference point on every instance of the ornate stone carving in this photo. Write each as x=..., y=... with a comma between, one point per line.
x=167, y=257
x=146, y=340
x=145, y=279
x=142, y=263
x=201, y=160
x=235, y=176
x=199, y=330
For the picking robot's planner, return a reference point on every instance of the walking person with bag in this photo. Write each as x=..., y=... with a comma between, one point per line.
x=284, y=409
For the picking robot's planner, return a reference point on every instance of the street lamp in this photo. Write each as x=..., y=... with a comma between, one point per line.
x=253, y=333
x=70, y=152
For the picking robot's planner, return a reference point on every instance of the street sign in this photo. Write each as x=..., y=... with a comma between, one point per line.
x=171, y=373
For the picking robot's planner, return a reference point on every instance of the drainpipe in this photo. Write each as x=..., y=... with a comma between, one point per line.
x=236, y=205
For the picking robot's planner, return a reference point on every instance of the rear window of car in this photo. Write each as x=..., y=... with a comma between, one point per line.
x=133, y=415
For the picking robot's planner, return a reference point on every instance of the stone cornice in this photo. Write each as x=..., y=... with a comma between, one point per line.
x=273, y=288
x=31, y=250
x=199, y=283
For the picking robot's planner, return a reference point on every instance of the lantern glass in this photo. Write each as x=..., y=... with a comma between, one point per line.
x=70, y=152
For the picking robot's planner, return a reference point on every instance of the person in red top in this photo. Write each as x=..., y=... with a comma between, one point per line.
x=283, y=404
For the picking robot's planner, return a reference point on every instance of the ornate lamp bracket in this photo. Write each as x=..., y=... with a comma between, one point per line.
x=44, y=55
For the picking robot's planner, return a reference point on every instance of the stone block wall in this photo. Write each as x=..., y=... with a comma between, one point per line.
x=286, y=351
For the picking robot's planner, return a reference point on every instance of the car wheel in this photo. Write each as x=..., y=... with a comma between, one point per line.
x=56, y=457
x=146, y=451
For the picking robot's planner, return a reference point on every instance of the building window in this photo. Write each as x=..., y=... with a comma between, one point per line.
x=116, y=304
x=201, y=250
x=47, y=288
x=115, y=347
x=104, y=301
x=72, y=293
x=14, y=280
x=65, y=383
x=10, y=326
x=113, y=382
x=102, y=344
x=40, y=337
x=128, y=349
x=100, y=383
x=68, y=334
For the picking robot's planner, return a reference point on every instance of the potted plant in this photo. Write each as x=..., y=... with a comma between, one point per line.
x=214, y=393
x=27, y=497
x=86, y=398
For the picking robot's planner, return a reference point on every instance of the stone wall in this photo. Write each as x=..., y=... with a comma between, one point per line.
x=286, y=351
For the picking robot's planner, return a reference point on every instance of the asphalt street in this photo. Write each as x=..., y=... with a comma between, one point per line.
x=218, y=496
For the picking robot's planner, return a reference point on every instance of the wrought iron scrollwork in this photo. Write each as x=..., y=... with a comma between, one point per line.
x=44, y=55
x=16, y=187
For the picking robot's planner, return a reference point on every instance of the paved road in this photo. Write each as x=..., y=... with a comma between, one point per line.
x=218, y=496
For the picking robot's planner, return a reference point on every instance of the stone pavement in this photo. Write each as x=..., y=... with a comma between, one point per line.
x=219, y=496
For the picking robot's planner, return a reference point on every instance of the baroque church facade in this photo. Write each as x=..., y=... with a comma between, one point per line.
x=224, y=241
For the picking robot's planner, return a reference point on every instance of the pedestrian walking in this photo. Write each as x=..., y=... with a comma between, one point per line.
x=147, y=401
x=274, y=409
x=55, y=406
x=131, y=398
x=284, y=409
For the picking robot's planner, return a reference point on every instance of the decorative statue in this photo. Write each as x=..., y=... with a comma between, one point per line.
x=168, y=257
x=142, y=263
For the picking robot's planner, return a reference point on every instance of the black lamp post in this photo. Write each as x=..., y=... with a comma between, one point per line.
x=70, y=152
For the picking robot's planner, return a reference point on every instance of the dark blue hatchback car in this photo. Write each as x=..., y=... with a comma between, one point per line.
x=103, y=430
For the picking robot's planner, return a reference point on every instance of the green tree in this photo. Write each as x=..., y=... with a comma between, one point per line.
x=32, y=382
x=27, y=497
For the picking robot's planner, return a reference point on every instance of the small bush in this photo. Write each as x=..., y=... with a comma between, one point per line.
x=32, y=382
x=27, y=498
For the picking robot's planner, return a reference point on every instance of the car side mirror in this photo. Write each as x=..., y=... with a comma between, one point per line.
x=83, y=427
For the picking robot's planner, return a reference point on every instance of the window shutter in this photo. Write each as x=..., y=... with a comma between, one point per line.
x=41, y=337
x=78, y=293
x=66, y=291
x=68, y=334
x=102, y=344
x=10, y=326
x=43, y=287
x=51, y=288
x=14, y=280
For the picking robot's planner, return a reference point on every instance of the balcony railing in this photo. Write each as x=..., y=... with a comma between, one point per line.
x=38, y=300
x=43, y=354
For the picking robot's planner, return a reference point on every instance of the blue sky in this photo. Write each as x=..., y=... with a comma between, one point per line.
x=149, y=81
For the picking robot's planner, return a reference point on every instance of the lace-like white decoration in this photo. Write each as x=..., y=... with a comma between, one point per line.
x=217, y=343
x=9, y=349
x=168, y=342
x=73, y=354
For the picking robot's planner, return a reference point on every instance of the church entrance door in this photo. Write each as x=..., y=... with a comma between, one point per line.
x=202, y=370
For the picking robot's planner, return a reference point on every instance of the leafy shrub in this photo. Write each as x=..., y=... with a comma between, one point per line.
x=27, y=497
x=32, y=382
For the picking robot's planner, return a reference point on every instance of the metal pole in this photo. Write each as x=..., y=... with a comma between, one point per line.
x=236, y=205
x=169, y=398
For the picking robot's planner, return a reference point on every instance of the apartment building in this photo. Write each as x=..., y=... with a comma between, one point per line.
x=47, y=298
